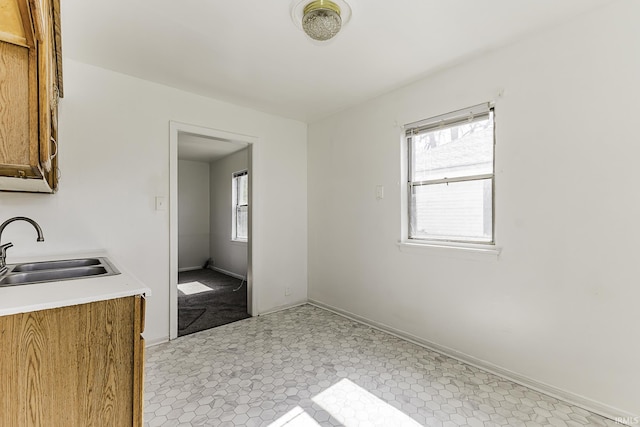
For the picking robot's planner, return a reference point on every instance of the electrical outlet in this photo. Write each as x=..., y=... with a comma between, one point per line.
x=287, y=291
x=161, y=203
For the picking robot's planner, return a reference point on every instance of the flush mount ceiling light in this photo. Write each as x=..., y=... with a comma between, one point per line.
x=321, y=19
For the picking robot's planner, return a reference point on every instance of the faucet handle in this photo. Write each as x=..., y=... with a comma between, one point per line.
x=3, y=249
x=3, y=257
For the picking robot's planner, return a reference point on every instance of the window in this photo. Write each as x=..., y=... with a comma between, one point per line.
x=451, y=177
x=240, y=206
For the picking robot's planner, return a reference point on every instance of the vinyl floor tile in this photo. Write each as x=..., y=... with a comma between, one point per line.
x=309, y=367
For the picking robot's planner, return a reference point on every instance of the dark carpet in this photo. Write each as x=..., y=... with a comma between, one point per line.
x=207, y=310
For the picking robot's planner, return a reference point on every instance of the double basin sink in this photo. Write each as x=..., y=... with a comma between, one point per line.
x=53, y=271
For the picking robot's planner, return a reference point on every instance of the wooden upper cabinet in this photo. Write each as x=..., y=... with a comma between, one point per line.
x=30, y=87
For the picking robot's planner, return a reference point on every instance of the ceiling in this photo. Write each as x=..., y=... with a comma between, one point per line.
x=250, y=53
x=199, y=148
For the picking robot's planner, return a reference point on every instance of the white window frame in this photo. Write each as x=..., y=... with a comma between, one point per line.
x=446, y=120
x=235, y=206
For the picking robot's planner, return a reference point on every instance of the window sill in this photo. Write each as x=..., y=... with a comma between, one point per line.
x=453, y=250
x=239, y=241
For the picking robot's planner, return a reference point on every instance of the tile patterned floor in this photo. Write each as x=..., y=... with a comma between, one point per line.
x=307, y=367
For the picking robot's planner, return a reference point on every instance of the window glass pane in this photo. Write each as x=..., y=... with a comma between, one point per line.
x=243, y=189
x=458, y=211
x=240, y=209
x=462, y=150
x=242, y=229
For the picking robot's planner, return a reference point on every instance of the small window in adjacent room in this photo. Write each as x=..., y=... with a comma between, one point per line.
x=240, y=206
x=451, y=177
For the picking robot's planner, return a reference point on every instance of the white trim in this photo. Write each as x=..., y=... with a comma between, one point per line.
x=183, y=269
x=458, y=116
x=173, y=229
x=175, y=128
x=155, y=342
x=456, y=250
x=285, y=307
x=229, y=273
x=558, y=393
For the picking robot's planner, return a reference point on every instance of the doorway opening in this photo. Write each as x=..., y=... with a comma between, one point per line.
x=210, y=227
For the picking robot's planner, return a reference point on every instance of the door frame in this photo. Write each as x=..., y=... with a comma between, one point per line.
x=176, y=128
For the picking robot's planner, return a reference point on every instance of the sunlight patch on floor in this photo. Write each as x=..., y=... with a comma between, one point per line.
x=351, y=406
x=296, y=417
x=191, y=288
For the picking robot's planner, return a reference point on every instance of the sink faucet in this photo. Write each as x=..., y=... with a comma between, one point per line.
x=3, y=248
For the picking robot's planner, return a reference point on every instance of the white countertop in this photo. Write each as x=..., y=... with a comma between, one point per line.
x=42, y=296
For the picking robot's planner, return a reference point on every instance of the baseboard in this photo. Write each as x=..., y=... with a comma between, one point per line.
x=219, y=270
x=590, y=405
x=284, y=307
x=182, y=270
x=228, y=273
x=155, y=341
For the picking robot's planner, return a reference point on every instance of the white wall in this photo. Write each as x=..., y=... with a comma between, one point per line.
x=114, y=158
x=227, y=255
x=193, y=214
x=561, y=305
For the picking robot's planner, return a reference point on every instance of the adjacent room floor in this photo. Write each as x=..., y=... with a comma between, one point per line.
x=207, y=299
x=307, y=367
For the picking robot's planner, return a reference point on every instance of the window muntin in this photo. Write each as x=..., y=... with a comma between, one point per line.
x=451, y=177
x=240, y=206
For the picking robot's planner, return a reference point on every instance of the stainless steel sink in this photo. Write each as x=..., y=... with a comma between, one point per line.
x=51, y=275
x=54, y=265
x=53, y=271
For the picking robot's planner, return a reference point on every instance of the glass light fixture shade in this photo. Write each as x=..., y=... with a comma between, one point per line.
x=321, y=20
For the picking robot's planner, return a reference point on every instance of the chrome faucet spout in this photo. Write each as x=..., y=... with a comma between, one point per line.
x=3, y=248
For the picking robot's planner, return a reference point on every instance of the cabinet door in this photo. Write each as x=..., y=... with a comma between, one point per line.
x=30, y=85
x=14, y=93
x=19, y=152
x=71, y=366
x=45, y=82
x=49, y=92
x=138, y=366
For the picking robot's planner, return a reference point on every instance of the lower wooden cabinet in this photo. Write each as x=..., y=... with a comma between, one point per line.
x=79, y=366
